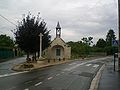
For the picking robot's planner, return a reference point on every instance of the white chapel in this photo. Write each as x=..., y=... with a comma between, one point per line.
x=58, y=49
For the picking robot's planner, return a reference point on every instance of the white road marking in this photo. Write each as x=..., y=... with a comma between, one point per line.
x=26, y=89
x=101, y=58
x=11, y=74
x=28, y=82
x=11, y=88
x=88, y=64
x=38, y=83
x=96, y=65
x=57, y=74
x=82, y=63
x=50, y=78
x=77, y=65
x=72, y=63
x=62, y=72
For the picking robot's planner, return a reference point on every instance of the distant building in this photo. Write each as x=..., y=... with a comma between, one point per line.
x=58, y=49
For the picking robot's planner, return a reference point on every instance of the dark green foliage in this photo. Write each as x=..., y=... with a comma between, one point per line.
x=75, y=48
x=101, y=43
x=102, y=47
x=6, y=42
x=88, y=40
x=106, y=46
x=109, y=48
x=109, y=37
x=27, y=34
x=79, y=49
x=6, y=47
x=97, y=49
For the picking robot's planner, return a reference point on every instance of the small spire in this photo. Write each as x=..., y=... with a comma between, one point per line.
x=58, y=30
x=58, y=26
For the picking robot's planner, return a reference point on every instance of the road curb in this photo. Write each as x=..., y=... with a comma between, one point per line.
x=16, y=67
x=96, y=79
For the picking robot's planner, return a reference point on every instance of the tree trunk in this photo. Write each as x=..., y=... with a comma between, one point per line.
x=38, y=54
x=35, y=56
x=27, y=56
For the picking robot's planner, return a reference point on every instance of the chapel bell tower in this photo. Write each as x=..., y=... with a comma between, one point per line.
x=58, y=30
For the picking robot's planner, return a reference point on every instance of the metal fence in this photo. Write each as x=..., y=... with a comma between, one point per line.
x=6, y=53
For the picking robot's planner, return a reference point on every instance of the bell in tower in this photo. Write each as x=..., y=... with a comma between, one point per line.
x=58, y=30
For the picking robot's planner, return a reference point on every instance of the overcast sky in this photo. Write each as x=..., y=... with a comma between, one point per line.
x=78, y=18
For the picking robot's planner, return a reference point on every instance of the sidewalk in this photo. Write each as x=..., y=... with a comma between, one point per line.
x=110, y=79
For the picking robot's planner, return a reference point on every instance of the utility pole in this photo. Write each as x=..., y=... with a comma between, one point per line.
x=119, y=34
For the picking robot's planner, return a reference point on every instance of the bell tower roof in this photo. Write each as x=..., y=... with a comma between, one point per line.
x=58, y=30
x=58, y=26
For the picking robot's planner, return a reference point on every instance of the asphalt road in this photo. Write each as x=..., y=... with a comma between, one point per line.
x=5, y=67
x=75, y=75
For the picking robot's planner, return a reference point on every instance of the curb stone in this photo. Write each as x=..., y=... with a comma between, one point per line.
x=43, y=66
x=96, y=79
x=16, y=67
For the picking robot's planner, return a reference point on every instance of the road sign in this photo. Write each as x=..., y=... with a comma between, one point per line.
x=114, y=42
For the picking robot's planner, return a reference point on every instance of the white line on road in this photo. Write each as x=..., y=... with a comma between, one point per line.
x=28, y=82
x=62, y=72
x=11, y=88
x=11, y=74
x=38, y=83
x=96, y=65
x=72, y=63
x=26, y=89
x=57, y=74
x=77, y=65
x=50, y=78
x=88, y=64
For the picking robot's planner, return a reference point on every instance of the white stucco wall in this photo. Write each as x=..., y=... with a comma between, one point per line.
x=50, y=52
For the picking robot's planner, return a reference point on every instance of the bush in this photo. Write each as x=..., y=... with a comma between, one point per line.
x=110, y=50
x=28, y=65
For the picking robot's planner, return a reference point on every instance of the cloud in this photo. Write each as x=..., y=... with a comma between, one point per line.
x=78, y=18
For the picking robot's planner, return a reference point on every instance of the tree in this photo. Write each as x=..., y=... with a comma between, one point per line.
x=6, y=47
x=109, y=37
x=27, y=34
x=6, y=41
x=77, y=48
x=88, y=40
x=101, y=43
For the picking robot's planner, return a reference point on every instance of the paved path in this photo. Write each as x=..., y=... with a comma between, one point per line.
x=110, y=79
x=5, y=67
